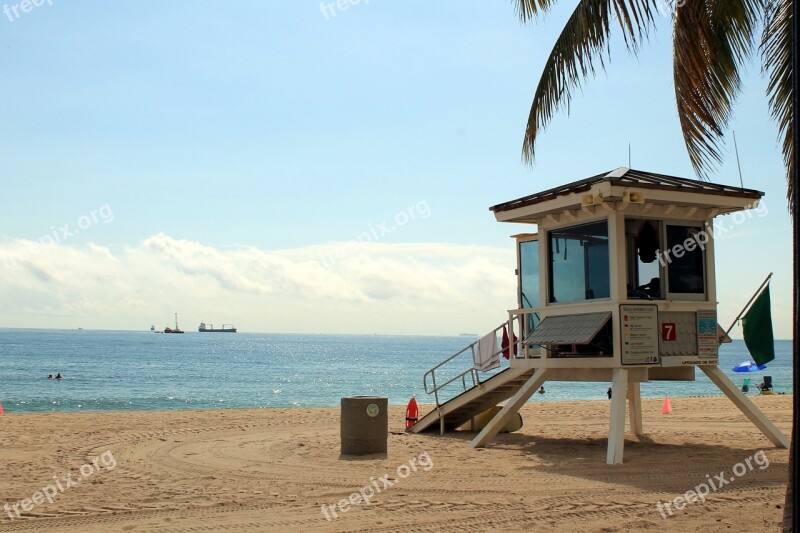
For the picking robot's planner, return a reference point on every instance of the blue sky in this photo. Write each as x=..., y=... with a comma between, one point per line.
x=248, y=133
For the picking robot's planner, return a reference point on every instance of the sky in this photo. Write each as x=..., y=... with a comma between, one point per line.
x=290, y=166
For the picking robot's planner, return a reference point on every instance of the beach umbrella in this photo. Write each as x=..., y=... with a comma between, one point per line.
x=749, y=366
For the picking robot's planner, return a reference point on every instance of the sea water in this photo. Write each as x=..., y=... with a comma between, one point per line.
x=114, y=370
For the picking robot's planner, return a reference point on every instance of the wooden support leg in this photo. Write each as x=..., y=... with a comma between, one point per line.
x=635, y=407
x=616, y=426
x=509, y=409
x=746, y=406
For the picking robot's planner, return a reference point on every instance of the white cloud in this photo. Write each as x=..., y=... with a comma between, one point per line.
x=334, y=288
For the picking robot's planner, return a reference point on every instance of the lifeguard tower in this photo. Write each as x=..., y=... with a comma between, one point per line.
x=617, y=284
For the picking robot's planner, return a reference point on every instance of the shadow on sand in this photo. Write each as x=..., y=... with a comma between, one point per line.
x=586, y=459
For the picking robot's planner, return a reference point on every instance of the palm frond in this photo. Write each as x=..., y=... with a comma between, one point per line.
x=776, y=52
x=527, y=10
x=577, y=53
x=635, y=19
x=711, y=41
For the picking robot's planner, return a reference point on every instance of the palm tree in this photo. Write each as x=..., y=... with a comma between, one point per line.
x=711, y=41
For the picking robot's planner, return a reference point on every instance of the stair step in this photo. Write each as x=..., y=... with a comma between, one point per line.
x=487, y=396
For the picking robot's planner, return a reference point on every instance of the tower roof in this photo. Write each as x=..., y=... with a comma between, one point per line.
x=639, y=179
x=624, y=187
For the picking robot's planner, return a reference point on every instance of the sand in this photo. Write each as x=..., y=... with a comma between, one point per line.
x=273, y=469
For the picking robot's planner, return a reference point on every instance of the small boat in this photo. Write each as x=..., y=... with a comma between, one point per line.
x=176, y=330
x=209, y=328
x=153, y=328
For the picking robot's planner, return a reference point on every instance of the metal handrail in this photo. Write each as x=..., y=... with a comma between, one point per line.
x=474, y=373
x=519, y=315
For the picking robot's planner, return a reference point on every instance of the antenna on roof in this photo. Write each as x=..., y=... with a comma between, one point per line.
x=735, y=147
x=629, y=156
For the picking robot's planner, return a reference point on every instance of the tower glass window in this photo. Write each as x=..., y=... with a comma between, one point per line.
x=529, y=280
x=645, y=259
x=579, y=268
x=685, y=262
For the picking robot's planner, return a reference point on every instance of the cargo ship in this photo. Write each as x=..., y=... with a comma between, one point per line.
x=209, y=328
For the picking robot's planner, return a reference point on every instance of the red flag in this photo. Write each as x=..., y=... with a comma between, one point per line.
x=506, y=348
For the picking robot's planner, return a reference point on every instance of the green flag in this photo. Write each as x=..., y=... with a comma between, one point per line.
x=757, y=328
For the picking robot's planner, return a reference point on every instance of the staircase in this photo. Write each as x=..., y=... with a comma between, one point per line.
x=474, y=399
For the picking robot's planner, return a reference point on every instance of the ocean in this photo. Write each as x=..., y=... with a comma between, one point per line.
x=120, y=370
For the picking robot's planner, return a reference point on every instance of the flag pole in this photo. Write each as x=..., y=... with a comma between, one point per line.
x=761, y=288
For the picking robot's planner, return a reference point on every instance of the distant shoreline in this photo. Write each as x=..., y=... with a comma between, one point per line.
x=253, y=332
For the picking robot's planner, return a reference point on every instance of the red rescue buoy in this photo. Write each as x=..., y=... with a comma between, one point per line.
x=412, y=412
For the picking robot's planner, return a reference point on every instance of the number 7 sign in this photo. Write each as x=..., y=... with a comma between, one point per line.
x=668, y=331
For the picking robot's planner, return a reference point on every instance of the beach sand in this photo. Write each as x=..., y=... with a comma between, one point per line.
x=273, y=469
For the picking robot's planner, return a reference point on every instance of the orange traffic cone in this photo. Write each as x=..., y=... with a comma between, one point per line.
x=667, y=409
x=412, y=413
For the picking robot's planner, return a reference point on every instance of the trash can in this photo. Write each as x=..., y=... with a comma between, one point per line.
x=364, y=425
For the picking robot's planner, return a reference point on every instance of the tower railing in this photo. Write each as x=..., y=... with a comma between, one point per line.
x=470, y=375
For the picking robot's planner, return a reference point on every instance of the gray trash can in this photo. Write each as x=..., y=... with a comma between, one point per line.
x=364, y=425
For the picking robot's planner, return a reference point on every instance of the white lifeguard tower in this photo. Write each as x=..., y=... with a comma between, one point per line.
x=617, y=284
